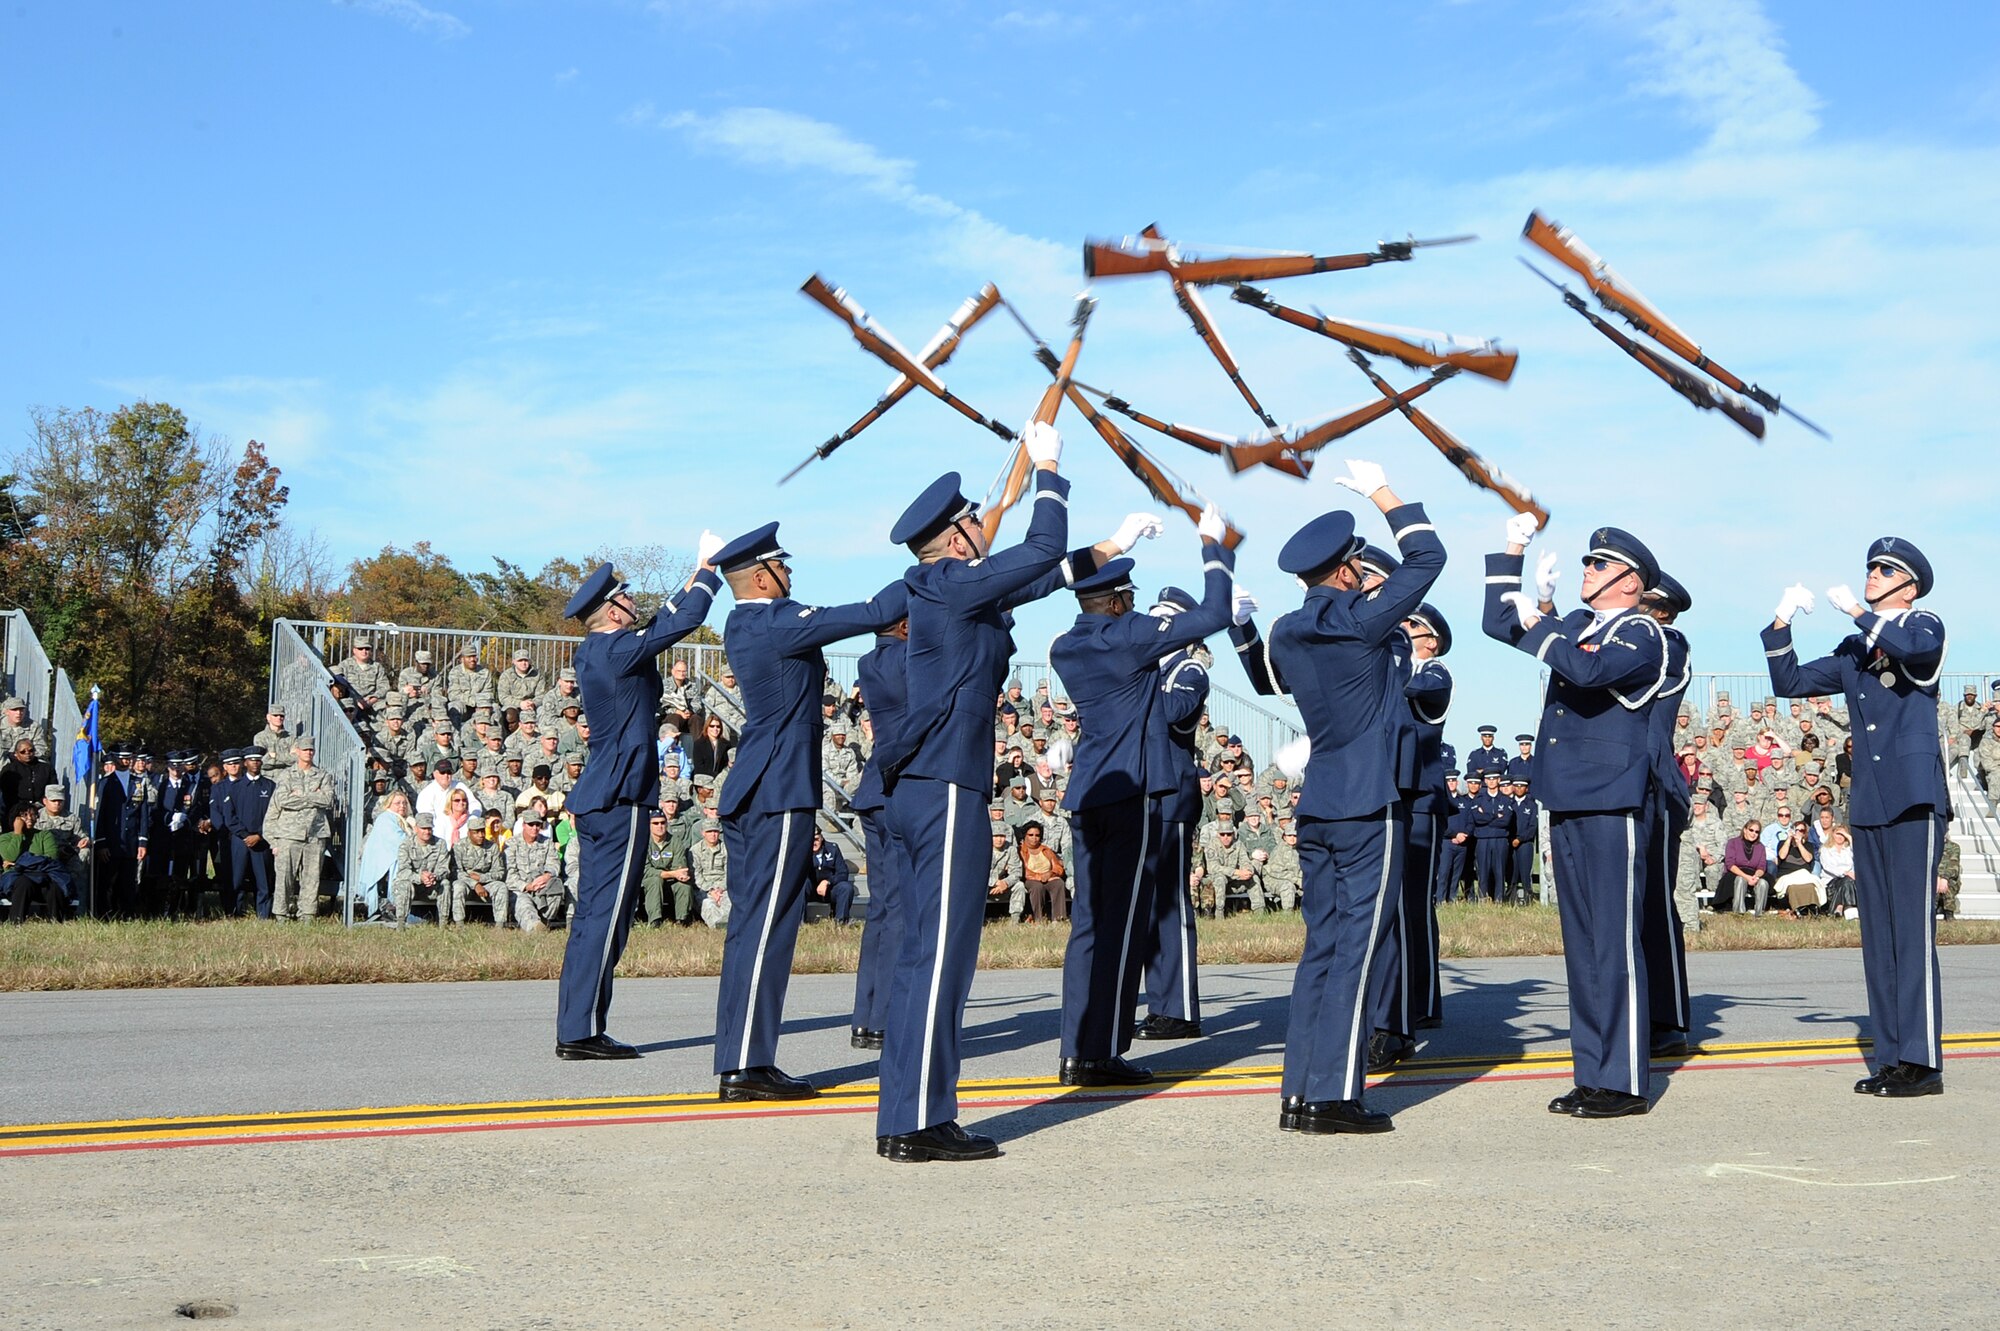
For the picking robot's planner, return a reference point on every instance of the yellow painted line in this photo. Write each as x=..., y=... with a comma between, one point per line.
x=54, y=1138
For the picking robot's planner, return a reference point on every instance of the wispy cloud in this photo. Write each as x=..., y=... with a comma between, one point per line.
x=1725, y=61
x=1041, y=20
x=414, y=16
x=564, y=76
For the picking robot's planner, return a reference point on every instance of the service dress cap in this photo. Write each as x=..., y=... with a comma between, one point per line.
x=1176, y=598
x=1891, y=550
x=750, y=548
x=1621, y=546
x=1377, y=560
x=941, y=504
x=1327, y=540
x=1669, y=593
x=1489, y=730
x=595, y=590
x=1433, y=619
x=1115, y=576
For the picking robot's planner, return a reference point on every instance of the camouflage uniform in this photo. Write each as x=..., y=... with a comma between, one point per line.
x=298, y=825
x=415, y=685
x=1986, y=763
x=536, y=908
x=277, y=747
x=415, y=858
x=711, y=874
x=842, y=766
x=479, y=863
x=467, y=686
x=1691, y=874
x=1949, y=870
x=1284, y=881
x=669, y=898
x=369, y=679
x=1006, y=872
x=516, y=688
x=12, y=732
x=1224, y=862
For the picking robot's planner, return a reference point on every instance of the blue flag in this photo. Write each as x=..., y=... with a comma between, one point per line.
x=83, y=758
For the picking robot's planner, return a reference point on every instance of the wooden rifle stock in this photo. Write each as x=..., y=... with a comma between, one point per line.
x=1160, y=483
x=1293, y=441
x=1492, y=361
x=1469, y=464
x=939, y=350
x=1208, y=441
x=875, y=340
x=1204, y=327
x=1699, y=391
x=1111, y=258
x=1614, y=293
x=1045, y=414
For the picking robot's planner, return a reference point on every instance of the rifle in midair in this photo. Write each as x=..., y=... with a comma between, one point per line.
x=1144, y=254
x=878, y=342
x=1204, y=326
x=935, y=353
x=1470, y=465
x=1295, y=440
x=1614, y=293
x=1019, y=465
x=1422, y=352
x=1708, y=396
x=1208, y=441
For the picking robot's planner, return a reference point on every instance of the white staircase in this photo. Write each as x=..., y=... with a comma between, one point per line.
x=1977, y=833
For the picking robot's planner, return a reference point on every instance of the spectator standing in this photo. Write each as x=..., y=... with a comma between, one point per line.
x=298, y=824
x=275, y=741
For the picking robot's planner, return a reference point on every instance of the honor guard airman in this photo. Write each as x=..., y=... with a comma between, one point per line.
x=1455, y=854
x=1519, y=765
x=1109, y=660
x=1593, y=773
x=883, y=679
x=767, y=808
x=617, y=667
x=1492, y=819
x=1486, y=758
x=1336, y=657
x=1889, y=670
x=1660, y=923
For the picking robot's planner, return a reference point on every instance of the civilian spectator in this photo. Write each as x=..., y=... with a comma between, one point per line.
x=712, y=749
x=1749, y=876
x=31, y=871
x=1046, y=878
x=24, y=776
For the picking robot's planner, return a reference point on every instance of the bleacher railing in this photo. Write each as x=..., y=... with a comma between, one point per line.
x=300, y=684
x=47, y=691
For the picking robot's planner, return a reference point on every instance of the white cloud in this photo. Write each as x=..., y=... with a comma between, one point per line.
x=563, y=76
x=1041, y=20
x=414, y=16
x=1725, y=61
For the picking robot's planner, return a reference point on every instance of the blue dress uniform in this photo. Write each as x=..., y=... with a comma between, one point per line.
x=1897, y=804
x=1521, y=844
x=1485, y=758
x=1454, y=857
x=618, y=676
x=882, y=675
x=1593, y=772
x=117, y=832
x=770, y=800
x=1660, y=924
x=246, y=819
x=1406, y=992
x=1521, y=766
x=829, y=866
x=1492, y=817
x=221, y=817
x=1110, y=666
x=939, y=770
x=1167, y=943
x=1335, y=655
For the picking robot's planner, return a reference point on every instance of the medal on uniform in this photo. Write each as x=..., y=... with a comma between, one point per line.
x=1888, y=678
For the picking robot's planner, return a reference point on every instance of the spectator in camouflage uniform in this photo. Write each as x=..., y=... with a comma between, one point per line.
x=275, y=741
x=522, y=683
x=710, y=859
x=1230, y=871
x=423, y=864
x=298, y=825
x=535, y=876
x=549, y=707
x=363, y=672
x=1986, y=761
x=416, y=681
x=842, y=766
x=1005, y=881
x=1284, y=881
x=678, y=702
x=466, y=682
x=669, y=880
x=1949, y=878
x=17, y=727
x=480, y=871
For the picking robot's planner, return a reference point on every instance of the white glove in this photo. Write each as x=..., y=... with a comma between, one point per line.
x=1291, y=757
x=1841, y=598
x=177, y=822
x=706, y=545
x=1211, y=527
x=1521, y=528
x=1364, y=478
x=1524, y=609
x=1796, y=601
x=1242, y=605
x=1043, y=443
x=1137, y=527
x=1546, y=576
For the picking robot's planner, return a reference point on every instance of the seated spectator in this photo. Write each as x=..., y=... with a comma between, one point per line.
x=481, y=871
x=456, y=822
x=711, y=875
x=24, y=776
x=535, y=877
x=1836, y=865
x=1749, y=876
x=1042, y=870
x=424, y=865
x=31, y=872
x=830, y=880
x=1792, y=873
x=1003, y=878
x=1231, y=872
x=669, y=883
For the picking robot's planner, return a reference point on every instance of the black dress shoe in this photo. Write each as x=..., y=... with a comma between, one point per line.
x=765, y=1083
x=1873, y=1083
x=1101, y=1072
x=1288, y=1112
x=1386, y=1050
x=863, y=1038
x=1157, y=1027
x=1596, y=1102
x=940, y=1141
x=1567, y=1102
x=1329, y=1116
x=1670, y=1042
x=1429, y=1023
x=597, y=1046
x=1906, y=1081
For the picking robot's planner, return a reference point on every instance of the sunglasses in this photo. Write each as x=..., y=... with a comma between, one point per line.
x=1886, y=570
x=1599, y=565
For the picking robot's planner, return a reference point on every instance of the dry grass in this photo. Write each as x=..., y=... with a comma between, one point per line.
x=84, y=955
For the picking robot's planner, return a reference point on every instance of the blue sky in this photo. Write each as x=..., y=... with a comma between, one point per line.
x=395, y=240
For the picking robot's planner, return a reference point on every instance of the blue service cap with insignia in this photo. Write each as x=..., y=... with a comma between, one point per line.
x=1524, y=739
x=1489, y=730
x=1327, y=540
x=232, y=755
x=1115, y=576
x=1451, y=771
x=1433, y=619
x=1669, y=593
x=1377, y=560
x=941, y=504
x=750, y=548
x=1900, y=554
x=1177, y=598
x=599, y=587
x=1622, y=546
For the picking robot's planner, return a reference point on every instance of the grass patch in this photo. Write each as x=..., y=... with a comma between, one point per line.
x=157, y=954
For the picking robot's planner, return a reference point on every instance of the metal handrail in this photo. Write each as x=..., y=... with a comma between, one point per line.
x=302, y=685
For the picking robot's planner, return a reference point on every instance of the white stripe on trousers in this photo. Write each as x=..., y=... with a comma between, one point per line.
x=1674, y=943
x=1930, y=939
x=611, y=931
x=1631, y=972
x=1356, y=1056
x=764, y=940
x=937, y=957
x=1131, y=915
x=1187, y=950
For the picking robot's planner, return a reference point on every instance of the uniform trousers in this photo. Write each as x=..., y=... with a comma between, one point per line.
x=1660, y=921
x=943, y=901
x=1895, y=881
x=611, y=855
x=1600, y=860
x=250, y=866
x=1173, y=981
x=1451, y=866
x=1114, y=899
x=770, y=859
x=1521, y=866
x=1490, y=861
x=1404, y=987
x=1353, y=876
x=882, y=923
x=296, y=865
